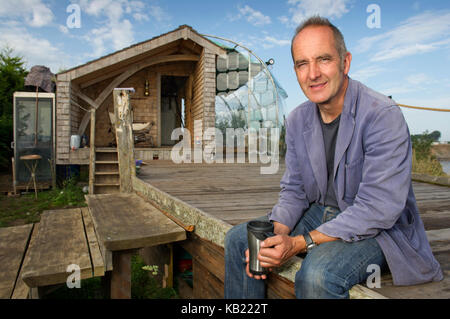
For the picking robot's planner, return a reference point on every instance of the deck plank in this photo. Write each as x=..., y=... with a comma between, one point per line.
x=13, y=242
x=60, y=242
x=94, y=249
x=126, y=221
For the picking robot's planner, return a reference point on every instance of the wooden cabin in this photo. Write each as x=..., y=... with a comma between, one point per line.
x=174, y=78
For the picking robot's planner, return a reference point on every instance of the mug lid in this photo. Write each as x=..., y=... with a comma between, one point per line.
x=260, y=226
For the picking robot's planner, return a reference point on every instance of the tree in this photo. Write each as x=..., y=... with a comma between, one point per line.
x=12, y=78
x=435, y=136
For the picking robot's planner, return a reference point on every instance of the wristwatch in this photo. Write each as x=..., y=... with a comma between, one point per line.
x=310, y=244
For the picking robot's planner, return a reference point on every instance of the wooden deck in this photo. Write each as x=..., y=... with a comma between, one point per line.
x=235, y=193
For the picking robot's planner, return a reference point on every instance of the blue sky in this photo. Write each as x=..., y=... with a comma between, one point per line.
x=407, y=57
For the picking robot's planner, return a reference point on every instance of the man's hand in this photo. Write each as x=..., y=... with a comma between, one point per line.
x=276, y=250
x=247, y=268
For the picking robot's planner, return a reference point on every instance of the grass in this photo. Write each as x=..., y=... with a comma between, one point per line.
x=143, y=286
x=427, y=165
x=26, y=209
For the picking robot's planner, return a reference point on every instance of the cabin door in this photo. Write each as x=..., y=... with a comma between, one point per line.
x=172, y=93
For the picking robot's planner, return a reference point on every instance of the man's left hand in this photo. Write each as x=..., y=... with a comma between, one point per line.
x=276, y=250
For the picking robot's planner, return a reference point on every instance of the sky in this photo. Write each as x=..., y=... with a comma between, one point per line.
x=400, y=48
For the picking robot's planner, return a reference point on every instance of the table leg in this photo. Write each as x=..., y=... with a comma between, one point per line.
x=121, y=275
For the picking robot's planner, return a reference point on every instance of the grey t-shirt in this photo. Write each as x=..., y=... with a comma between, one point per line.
x=330, y=131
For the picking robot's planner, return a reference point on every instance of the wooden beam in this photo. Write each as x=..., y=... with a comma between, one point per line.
x=92, y=153
x=125, y=75
x=110, y=74
x=86, y=98
x=124, y=137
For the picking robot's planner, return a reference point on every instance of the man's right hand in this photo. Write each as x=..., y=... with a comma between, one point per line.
x=279, y=229
x=247, y=268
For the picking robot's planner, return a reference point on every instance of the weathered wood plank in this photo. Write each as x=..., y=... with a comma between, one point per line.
x=126, y=221
x=124, y=138
x=209, y=286
x=13, y=243
x=60, y=242
x=22, y=291
x=98, y=266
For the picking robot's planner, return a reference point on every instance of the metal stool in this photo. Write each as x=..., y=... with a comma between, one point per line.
x=31, y=162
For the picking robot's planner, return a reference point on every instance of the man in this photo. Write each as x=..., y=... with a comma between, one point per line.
x=346, y=196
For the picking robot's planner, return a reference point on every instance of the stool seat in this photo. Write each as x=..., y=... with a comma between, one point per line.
x=31, y=157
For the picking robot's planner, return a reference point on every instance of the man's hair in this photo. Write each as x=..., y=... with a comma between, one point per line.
x=320, y=21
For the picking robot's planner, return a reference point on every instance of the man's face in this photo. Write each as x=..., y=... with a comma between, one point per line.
x=317, y=65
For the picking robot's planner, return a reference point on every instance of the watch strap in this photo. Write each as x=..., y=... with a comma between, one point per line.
x=309, y=242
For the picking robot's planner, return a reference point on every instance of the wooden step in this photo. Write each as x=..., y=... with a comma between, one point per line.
x=106, y=189
x=107, y=173
x=106, y=162
x=106, y=150
x=107, y=184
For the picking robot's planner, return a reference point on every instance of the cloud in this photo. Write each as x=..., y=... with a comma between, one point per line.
x=114, y=29
x=302, y=9
x=116, y=32
x=253, y=16
x=270, y=42
x=34, y=50
x=158, y=13
x=33, y=12
x=419, y=34
x=365, y=73
x=419, y=79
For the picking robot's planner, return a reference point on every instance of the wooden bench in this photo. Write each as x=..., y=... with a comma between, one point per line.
x=64, y=237
x=124, y=222
x=13, y=245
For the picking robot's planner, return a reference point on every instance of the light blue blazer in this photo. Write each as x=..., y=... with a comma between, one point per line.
x=372, y=180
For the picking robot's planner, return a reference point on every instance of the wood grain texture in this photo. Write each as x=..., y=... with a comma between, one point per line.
x=126, y=221
x=13, y=243
x=21, y=290
x=124, y=138
x=60, y=242
x=98, y=266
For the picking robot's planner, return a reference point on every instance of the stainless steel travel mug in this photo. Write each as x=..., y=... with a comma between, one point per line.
x=257, y=231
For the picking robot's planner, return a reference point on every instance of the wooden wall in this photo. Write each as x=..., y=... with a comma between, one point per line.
x=145, y=108
x=198, y=92
x=63, y=119
x=203, y=94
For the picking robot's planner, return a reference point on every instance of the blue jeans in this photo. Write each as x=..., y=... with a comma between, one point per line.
x=329, y=270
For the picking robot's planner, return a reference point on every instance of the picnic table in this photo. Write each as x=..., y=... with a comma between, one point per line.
x=124, y=222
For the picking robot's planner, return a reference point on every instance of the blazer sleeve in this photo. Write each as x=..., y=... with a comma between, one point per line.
x=292, y=200
x=385, y=181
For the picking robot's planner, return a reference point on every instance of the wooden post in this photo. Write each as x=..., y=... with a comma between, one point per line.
x=124, y=136
x=92, y=154
x=121, y=275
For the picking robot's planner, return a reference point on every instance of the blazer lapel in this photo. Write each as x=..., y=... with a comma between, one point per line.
x=315, y=147
x=346, y=125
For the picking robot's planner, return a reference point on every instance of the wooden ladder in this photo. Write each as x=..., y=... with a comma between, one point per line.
x=106, y=176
